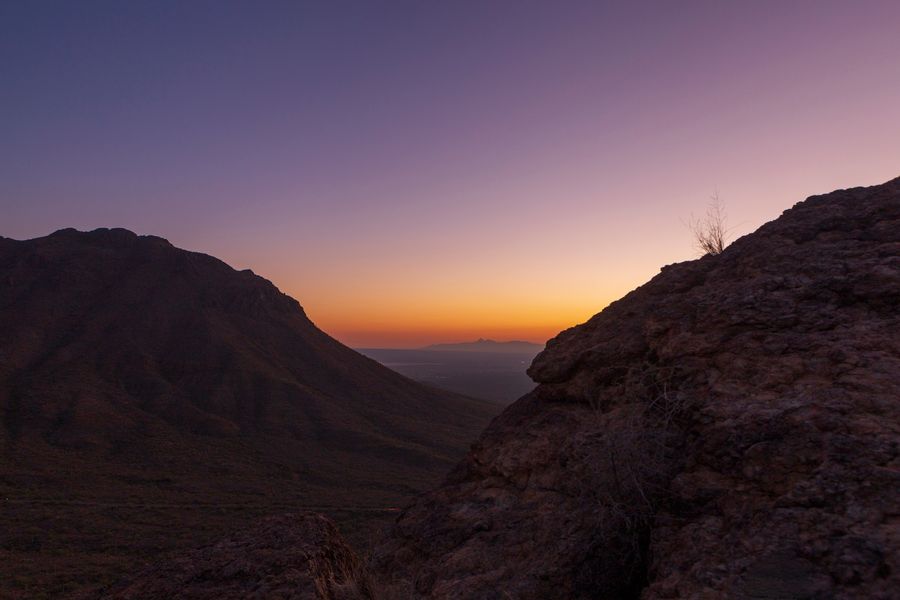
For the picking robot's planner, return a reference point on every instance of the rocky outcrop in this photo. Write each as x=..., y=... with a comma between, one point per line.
x=290, y=556
x=730, y=429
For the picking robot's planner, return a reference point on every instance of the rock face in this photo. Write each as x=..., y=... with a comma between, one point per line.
x=298, y=557
x=731, y=429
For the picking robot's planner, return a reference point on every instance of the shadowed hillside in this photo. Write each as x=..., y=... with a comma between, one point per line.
x=150, y=395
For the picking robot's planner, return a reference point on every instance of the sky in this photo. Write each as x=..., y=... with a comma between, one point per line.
x=420, y=171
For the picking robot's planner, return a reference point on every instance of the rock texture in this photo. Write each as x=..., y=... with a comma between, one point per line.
x=728, y=430
x=296, y=557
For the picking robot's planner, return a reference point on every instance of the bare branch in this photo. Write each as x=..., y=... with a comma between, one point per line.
x=710, y=232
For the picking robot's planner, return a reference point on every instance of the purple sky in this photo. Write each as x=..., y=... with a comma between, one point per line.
x=423, y=171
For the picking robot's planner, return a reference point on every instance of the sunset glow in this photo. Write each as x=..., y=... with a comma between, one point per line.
x=498, y=170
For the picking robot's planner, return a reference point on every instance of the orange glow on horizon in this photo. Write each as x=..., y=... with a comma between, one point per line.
x=406, y=335
x=392, y=316
x=404, y=325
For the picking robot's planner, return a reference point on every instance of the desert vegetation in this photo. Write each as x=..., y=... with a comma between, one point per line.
x=710, y=232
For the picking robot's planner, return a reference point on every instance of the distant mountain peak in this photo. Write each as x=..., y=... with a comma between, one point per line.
x=489, y=345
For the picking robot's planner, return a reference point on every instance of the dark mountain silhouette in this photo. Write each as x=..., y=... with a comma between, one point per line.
x=484, y=345
x=135, y=374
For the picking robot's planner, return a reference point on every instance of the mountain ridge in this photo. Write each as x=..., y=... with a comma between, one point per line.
x=133, y=369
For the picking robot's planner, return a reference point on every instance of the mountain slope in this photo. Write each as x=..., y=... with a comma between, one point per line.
x=133, y=371
x=731, y=429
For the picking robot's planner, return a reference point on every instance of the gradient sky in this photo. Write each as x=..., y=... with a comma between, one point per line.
x=420, y=171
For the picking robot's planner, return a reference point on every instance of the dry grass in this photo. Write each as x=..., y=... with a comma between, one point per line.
x=632, y=457
x=358, y=584
x=710, y=232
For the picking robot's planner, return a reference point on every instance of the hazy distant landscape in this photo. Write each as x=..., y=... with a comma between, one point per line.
x=487, y=370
